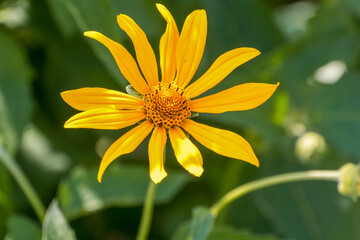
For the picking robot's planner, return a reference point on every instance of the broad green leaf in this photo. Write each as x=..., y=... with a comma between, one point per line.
x=310, y=211
x=352, y=5
x=228, y=233
x=55, y=226
x=327, y=39
x=336, y=113
x=63, y=17
x=241, y=24
x=38, y=154
x=305, y=210
x=223, y=233
x=202, y=222
x=21, y=227
x=105, y=22
x=122, y=186
x=15, y=109
x=15, y=100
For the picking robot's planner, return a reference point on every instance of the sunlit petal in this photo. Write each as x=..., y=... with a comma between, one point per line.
x=144, y=52
x=222, y=66
x=190, y=47
x=168, y=43
x=221, y=141
x=242, y=97
x=125, y=144
x=90, y=98
x=124, y=60
x=156, y=154
x=187, y=154
x=105, y=118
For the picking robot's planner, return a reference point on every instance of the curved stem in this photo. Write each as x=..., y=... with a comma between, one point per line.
x=271, y=181
x=24, y=183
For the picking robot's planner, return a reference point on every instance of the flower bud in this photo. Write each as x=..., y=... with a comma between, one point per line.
x=349, y=180
x=310, y=147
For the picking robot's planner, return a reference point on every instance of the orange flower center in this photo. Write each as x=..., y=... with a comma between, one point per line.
x=165, y=105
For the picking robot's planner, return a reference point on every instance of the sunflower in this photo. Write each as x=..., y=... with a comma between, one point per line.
x=165, y=107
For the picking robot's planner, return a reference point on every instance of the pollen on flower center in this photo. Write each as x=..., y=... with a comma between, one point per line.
x=166, y=105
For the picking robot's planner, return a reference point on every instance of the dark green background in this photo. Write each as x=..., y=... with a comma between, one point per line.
x=43, y=52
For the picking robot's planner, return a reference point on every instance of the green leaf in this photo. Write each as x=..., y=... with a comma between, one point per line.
x=63, y=17
x=15, y=100
x=15, y=110
x=55, y=226
x=122, y=186
x=202, y=223
x=241, y=24
x=326, y=39
x=336, y=113
x=105, y=22
x=21, y=227
x=223, y=233
x=227, y=233
x=310, y=210
x=38, y=154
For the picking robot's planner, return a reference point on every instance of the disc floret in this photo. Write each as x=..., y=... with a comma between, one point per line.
x=166, y=105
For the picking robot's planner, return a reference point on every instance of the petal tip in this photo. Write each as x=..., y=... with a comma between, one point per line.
x=89, y=33
x=67, y=124
x=254, y=160
x=158, y=177
x=202, y=13
x=254, y=53
x=159, y=5
x=99, y=177
x=62, y=95
x=121, y=17
x=197, y=171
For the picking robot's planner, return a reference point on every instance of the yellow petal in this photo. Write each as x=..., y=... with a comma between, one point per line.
x=105, y=118
x=156, y=154
x=222, y=67
x=187, y=154
x=144, y=52
x=221, y=141
x=168, y=43
x=84, y=99
x=190, y=47
x=125, y=144
x=242, y=97
x=124, y=60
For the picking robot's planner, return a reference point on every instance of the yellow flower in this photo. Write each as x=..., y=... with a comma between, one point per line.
x=165, y=106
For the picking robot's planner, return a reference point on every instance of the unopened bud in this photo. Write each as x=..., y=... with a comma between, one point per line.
x=309, y=147
x=349, y=180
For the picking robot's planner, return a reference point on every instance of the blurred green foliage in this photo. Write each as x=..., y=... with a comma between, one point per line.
x=311, y=47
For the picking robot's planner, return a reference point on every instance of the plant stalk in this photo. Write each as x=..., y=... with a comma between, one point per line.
x=24, y=183
x=242, y=190
x=147, y=212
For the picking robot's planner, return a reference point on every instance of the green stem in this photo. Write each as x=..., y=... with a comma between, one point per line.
x=148, y=208
x=147, y=212
x=24, y=183
x=271, y=181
